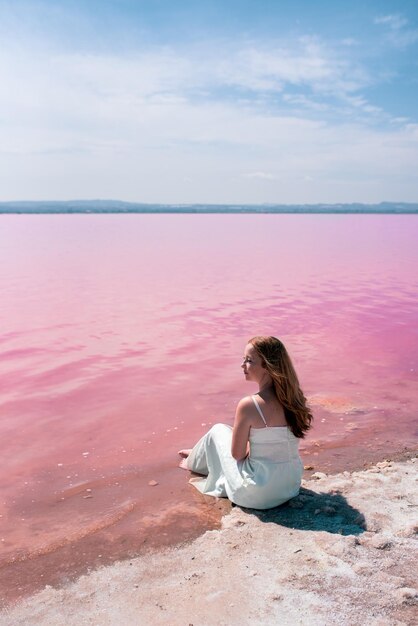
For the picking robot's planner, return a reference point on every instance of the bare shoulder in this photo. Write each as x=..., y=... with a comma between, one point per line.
x=245, y=405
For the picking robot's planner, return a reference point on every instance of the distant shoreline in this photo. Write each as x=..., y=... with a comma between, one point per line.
x=117, y=206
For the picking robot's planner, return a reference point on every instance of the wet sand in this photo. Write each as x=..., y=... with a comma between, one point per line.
x=136, y=523
x=343, y=551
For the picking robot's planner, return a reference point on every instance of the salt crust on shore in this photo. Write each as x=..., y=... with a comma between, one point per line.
x=343, y=552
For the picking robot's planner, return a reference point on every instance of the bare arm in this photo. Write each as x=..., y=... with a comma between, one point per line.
x=241, y=430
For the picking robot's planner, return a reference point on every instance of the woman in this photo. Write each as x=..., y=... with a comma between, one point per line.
x=256, y=463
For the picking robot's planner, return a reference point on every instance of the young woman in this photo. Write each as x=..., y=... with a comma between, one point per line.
x=256, y=463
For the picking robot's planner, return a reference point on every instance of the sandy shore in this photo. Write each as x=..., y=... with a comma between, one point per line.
x=343, y=552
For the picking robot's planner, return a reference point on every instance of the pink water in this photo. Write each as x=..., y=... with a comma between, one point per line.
x=121, y=341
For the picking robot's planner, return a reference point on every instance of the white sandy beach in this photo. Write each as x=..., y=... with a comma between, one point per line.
x=343, y=552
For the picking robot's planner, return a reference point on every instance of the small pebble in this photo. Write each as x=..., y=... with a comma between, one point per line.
x=361, y=568
x=383, y=464
x=406, y=593
x=152, y=483
x=319, y=475
x=408, y=531
x=380, y=542
x=308, y=467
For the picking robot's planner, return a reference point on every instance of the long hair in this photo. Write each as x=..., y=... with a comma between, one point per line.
x=286, y=384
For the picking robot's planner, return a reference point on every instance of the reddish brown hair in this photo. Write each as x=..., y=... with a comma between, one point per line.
x=277, y=362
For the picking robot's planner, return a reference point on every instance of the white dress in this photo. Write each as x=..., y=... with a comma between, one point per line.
x=269, y=476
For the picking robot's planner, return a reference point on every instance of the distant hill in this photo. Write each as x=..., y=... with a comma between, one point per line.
x=117, y=206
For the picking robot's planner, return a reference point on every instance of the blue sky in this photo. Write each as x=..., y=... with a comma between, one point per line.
x=218, y=102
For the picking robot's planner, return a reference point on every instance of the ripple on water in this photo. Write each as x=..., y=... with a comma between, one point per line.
x=119, y=344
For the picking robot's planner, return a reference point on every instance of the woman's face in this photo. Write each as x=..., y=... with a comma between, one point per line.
x=252, y=364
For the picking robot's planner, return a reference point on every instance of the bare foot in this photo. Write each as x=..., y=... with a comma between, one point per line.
x=185, y=452
x=183, y=464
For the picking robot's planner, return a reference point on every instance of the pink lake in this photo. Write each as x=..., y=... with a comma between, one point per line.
x=121, y=341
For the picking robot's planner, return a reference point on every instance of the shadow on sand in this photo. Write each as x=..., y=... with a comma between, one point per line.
x=329, y=512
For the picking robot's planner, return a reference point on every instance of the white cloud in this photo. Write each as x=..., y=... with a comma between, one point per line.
x=261, y=175
x=349, y=41
x=305, y=102
x=306, y=63
x=398, y=31
x=76, y=91
x=395, y=22
x=187, y=152
x=163, y=126
x=359, y=102
x=400, y=120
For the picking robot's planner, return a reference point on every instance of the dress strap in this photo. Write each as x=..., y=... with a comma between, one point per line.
x=257, y=406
